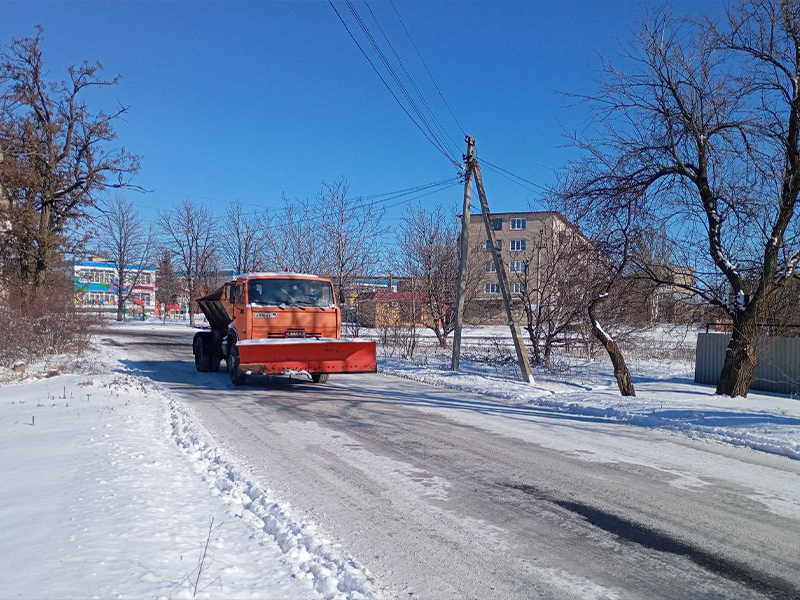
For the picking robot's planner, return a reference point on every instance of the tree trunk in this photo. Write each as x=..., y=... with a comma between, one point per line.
x=537, y=353
x=739, y=367
x=621, y=372
x=119, y=308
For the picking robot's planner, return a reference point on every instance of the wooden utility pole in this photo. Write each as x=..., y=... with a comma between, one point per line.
x=462, y=263
x=502, y=278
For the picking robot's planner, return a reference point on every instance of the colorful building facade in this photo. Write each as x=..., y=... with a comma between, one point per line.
x=97, y=287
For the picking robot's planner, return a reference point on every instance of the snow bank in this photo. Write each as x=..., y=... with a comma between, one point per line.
x=310, y=554
x=111, y=489
x=666, y=399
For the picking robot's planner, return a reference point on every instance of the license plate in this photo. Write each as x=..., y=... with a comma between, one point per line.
x=295, y=334
x=265, y=315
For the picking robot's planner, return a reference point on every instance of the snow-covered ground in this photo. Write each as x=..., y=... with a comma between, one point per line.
x=667, y=398
x=111, y=488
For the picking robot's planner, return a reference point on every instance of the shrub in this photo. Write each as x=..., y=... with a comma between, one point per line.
x=40, y=322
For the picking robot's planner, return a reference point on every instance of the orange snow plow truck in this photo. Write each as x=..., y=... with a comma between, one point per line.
x=273, y=323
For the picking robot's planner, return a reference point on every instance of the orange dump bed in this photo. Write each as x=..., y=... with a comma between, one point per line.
x=315, y=355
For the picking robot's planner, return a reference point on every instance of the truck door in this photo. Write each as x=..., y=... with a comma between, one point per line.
x=239, y=310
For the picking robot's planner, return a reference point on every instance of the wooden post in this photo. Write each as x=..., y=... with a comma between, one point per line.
x=502, y=278
x=462, y=264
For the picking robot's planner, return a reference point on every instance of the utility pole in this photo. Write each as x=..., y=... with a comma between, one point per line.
x=519, y=346
x=462, y=263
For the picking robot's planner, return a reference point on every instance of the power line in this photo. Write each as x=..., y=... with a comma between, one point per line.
x=513, y=176
x=189, y=195
x=436, y=121
x=441, y=95
x=429, y=189
x=511, y=179
x=387, y=64
x=388, y=87
x=209, y=198
x=365, y=201
x=515, y=155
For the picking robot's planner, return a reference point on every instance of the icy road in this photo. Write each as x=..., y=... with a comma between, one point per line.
x=443, y=494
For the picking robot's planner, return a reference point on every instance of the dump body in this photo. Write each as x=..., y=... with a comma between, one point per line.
x=277, y=323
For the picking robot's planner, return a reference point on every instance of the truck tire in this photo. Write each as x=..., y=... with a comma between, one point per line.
x=202, y=357
x=237, y=377
x=320, y=377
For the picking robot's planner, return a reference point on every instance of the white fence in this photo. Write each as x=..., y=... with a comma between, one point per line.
x=777, y=370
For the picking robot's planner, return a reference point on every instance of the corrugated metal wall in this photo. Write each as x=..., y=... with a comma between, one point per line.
x=778, y=368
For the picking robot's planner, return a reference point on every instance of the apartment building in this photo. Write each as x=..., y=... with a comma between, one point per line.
x=528, y=243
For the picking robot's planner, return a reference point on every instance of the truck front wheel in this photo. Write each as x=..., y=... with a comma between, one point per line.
x=237, y=377
x=319, y=377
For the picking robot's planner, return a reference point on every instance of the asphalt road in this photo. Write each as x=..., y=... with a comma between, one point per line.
x=444, y=494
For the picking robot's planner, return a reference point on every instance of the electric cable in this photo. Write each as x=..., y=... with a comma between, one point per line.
x=441, y=95
x=383, y=80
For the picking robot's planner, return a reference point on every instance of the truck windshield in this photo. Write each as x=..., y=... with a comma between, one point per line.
x=289, y=292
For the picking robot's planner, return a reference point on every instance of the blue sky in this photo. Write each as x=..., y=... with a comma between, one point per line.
x=254, y=99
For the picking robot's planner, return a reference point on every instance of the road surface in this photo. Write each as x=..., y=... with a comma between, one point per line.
x=445, y=494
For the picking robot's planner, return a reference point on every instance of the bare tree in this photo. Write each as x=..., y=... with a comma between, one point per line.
x=190, y=230
x=55, y=154
x=169, y=287
x=701, y=129
x=428, y=253
x=124, y=239
x=549, y=282
x=606, y=272
x=294, y=239
x=243, y=240
x=351, y=235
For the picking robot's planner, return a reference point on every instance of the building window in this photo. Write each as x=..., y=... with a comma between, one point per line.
x=517, y=245
x=492, y=288
x=489, y=245
x=490, y=268
x=516, y=287
x=517, y=266
x=519, y=223
x=497, y=224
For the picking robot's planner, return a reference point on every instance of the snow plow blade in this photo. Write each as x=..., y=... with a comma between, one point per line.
x=316, y=355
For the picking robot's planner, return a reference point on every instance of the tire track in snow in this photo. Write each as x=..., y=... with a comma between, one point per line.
x=335, y=574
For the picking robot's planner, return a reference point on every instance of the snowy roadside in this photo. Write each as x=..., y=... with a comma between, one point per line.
x=112, y=488
x=667, y=398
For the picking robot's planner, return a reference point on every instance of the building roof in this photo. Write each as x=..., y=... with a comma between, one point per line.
x=111, y=265
x=388, y=296
x=524, y=213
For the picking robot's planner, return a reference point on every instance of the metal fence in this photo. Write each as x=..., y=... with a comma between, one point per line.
x=777, y=370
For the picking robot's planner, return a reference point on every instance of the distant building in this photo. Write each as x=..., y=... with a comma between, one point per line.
x=526, y=242
x=97, y=286
x=391, y=309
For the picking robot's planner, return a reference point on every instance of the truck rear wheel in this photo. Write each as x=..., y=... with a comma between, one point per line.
x=320, y=377
x=237, y=377
x=202, y=357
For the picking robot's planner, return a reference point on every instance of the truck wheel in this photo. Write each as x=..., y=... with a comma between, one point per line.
x=320, y=377
x=237, y=377
x=201, y=357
